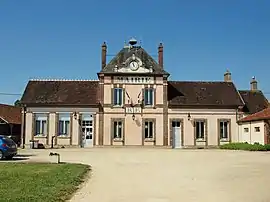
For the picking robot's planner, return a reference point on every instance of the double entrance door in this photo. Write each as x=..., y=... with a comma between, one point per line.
x=87, y=133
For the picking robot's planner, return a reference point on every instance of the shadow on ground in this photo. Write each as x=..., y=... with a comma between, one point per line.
x=24, y=155
x=15, y=159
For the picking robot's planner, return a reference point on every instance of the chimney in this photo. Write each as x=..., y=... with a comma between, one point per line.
x=253, y=84
x=103, y=55
x=227, y=76
x=160, y=55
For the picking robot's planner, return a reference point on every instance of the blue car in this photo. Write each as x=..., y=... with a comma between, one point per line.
x=8, y=148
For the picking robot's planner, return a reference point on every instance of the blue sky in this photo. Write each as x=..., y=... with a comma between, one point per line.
x=62, y=39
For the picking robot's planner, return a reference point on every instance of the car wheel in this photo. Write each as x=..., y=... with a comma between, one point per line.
x=1, y=155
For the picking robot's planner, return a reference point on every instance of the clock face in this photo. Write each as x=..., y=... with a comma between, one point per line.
x=134, y=65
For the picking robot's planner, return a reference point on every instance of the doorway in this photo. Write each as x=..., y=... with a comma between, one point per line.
x=87, y=131
x=176, y=134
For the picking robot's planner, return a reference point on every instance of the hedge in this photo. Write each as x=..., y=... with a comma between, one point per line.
x=246, y=146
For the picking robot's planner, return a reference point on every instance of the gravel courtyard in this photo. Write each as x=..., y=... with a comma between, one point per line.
x=166, y=175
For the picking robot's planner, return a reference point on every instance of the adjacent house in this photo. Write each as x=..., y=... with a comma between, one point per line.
x=256, y=127
x=10, y=122
x=133, y=102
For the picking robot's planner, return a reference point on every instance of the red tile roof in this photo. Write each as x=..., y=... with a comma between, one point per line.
x=10, y=114
x=261, y=115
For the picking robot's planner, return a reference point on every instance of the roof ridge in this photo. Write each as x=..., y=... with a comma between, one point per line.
x=64, y=80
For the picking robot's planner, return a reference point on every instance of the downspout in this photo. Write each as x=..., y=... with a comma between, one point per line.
x=250, y=132
x=23, y=126
x=237, y=125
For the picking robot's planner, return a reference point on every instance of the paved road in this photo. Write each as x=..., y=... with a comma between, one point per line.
x=166, y=175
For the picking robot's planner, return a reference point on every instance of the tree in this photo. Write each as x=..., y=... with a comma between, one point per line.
x=17, y=103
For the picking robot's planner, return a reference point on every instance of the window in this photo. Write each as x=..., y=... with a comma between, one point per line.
x=149, y=96
x=246, y=130
x=118, y=96
x=224, y=129
x=200, y=129
x=64, y=125
x=257, y=129
x=148, y=130
x=40, y=125
x=117, y=130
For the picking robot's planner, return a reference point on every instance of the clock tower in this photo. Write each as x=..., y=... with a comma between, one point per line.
x=133, y=97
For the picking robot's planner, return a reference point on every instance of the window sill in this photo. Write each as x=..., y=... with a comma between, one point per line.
x=224, y=140
x=117, y=106
x=200, y=140
x=149, y=140
x=118, y=140
x=149, y=106
x=40, y=136
x=63, y=137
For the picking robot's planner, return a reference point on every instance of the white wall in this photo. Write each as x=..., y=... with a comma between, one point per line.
x=248, y=133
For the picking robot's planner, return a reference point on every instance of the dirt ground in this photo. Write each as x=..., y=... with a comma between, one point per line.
x=166, y=175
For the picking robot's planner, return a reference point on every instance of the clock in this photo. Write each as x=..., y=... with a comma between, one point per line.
x=134, y=65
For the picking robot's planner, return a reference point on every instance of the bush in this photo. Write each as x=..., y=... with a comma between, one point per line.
x=245, y=146
x=267, y=147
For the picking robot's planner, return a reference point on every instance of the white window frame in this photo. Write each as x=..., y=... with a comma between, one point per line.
x=147, y=93
x=119, y=128
x=65, y=118
x=147, y=125
x=200, y=130
x=43, y=129
x=228, y=128
x=119, y=99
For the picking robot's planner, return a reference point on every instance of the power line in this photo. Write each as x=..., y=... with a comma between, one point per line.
x=10, y=93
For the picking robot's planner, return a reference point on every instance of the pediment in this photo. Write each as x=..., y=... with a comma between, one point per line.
x=139, y=66
x=121, y=62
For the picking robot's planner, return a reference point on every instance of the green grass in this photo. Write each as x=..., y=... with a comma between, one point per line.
x=36, y=182
x=246, y=146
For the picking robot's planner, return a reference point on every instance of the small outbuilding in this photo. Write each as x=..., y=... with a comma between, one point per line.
x=10, y=122
x=256, y=127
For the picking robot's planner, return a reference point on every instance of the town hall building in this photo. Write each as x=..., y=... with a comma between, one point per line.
x=134, y=102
